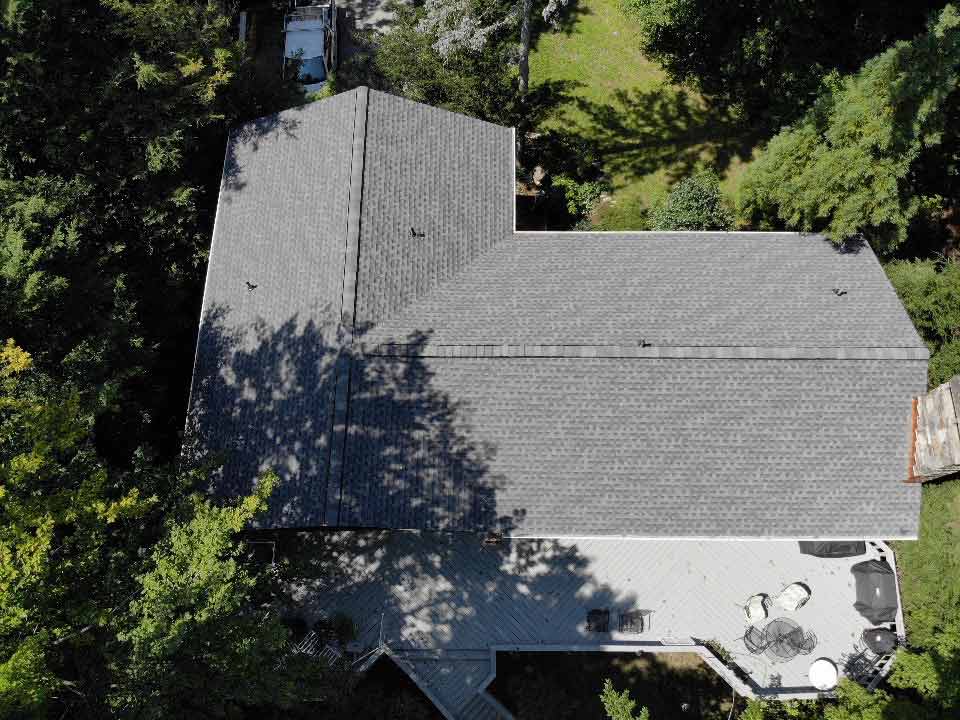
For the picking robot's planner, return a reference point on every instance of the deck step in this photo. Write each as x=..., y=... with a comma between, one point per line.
x=483, y=706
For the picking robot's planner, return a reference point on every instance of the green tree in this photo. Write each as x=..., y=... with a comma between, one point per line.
x=848, y=167
x=855, y=702
x=68, y=533
x=930, y=586
x=473, y=78
x=113, y=120
x=619, y=705
x=203, y=639
x=93, y=622
x=694, y=203
x=930, y=292
x=767, y=58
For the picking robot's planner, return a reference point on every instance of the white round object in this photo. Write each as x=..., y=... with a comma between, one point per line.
x=823, y=674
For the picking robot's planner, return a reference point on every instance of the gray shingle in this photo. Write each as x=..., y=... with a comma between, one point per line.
x=447, y=176
x=552, y=384
x=263, y=378
x=724, y=289
x=648, y=448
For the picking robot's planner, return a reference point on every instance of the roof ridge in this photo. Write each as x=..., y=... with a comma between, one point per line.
x=351, y=253
x=643, y=350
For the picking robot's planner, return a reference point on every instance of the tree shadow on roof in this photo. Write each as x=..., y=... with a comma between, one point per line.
x=401, y=454
x=250, y=135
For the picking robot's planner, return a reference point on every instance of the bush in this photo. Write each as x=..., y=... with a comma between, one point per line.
x=930, y=291
x=945, y=363
x=581, y=197
x=695, y=203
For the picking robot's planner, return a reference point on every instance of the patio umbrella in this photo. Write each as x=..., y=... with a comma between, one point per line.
x=876, y=591
x=820, y=548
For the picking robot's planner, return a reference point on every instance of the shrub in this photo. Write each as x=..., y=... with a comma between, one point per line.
x=945, y=363
x=694, y=203
x=930, y=292
x=581, y=197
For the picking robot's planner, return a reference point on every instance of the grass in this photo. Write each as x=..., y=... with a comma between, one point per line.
x=648, y=131
x=567, y=685
x=930, y=567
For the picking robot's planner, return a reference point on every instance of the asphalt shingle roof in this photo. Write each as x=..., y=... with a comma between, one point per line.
x=407, y=360
x=669, y=289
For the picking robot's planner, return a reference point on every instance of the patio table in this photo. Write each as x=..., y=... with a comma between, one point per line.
x=782, y=638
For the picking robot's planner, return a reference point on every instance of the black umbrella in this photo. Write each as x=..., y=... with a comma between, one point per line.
x=837, y=549
x=876, y=591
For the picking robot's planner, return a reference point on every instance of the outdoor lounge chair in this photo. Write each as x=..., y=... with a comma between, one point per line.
x=792, y=597
x=756, y=608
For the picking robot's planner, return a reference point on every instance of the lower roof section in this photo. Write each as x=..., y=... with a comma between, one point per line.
x=638, y=447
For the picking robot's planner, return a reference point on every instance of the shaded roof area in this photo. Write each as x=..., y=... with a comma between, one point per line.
x=263, y=383
x=407, y=360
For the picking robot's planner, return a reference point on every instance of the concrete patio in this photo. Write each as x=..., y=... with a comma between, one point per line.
x=443, y=605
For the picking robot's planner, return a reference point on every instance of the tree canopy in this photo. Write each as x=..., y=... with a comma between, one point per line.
x=849, y=167
x=619, y=705
x=767, y=58
x=113, y=119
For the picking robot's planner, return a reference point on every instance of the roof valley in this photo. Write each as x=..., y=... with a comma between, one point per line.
x=341, y=403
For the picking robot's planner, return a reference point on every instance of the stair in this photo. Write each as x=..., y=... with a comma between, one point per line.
x=483, y=706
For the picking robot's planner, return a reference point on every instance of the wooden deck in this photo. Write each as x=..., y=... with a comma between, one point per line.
x=445, y=603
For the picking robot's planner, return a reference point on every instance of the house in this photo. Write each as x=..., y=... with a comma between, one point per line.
x=613, y=408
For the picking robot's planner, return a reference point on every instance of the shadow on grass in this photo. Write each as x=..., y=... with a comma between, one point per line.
x=563, y=21
x=568, y=685
x=642, y=131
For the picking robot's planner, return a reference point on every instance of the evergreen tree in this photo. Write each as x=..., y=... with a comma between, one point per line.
x=619, y=705
x=849, y=167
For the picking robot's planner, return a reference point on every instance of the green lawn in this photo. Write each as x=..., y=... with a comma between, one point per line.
x=648, y=131
x=930, y=567
x=563, y=686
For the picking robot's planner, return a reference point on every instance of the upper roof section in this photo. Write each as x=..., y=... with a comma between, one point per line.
x=776, y=291
x=437, y=194
x=398, y=217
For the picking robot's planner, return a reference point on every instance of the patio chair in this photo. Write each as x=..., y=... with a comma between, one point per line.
x=807, y=643
x=754, y=640
x=598, y=620
x=793, y=597
x=631, y=622
x=756, y=608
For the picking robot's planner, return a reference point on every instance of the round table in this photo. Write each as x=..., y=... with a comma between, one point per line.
x=782, y=638
x=823, y=674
